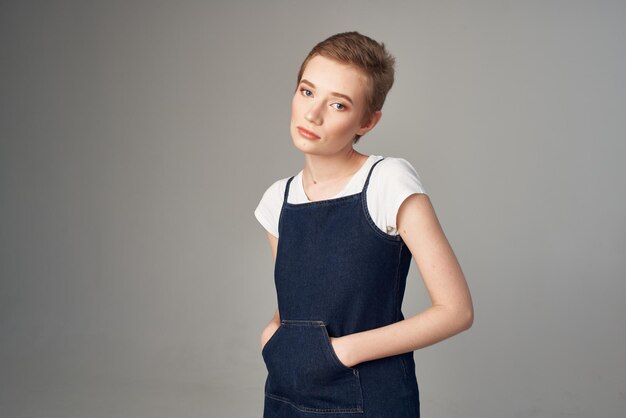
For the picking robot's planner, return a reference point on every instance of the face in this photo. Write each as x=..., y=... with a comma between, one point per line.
x=328, y=107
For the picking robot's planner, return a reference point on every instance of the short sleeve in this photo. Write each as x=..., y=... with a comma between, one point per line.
x=267, y=211
x=396, y=181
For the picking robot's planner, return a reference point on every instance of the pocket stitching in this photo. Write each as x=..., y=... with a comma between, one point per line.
x=312, y=409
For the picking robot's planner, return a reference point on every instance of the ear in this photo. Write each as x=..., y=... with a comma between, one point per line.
x=370, y=123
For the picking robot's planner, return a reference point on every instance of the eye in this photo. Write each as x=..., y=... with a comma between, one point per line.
x=306, y=92
x=338, y=106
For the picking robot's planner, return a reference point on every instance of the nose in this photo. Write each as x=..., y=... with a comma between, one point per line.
x=314, y=113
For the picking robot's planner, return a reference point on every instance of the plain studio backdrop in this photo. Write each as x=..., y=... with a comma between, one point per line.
x=137, y=137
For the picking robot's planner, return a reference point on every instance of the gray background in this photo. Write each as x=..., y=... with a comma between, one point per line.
x=137, y=138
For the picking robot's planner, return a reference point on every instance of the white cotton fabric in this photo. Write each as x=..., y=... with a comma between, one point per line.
x=392, y=181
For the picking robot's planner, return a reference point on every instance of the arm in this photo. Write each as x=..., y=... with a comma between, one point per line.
x=274, y=323
x=451, y=309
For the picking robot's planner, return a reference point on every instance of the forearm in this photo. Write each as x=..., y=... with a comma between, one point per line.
x=451, y=308
x=426, y=328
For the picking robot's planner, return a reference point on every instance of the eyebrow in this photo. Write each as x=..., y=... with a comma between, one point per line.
x=334, y=93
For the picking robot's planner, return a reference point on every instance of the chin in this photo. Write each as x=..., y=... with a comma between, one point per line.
x=300, y=143
x=302, y=146
x=305, y=146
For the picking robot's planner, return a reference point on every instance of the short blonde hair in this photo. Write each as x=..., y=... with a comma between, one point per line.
x=364, y=53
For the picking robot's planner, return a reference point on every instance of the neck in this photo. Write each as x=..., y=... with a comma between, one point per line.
x=325, y=169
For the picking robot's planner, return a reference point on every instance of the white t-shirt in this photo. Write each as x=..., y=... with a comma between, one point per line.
x=392, y=181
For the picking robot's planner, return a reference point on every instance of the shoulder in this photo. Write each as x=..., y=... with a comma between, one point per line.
x=394, y=172
x=394, y=166
x=392, y=181
x=277, y=187
x=267, y=211
x=275, y=192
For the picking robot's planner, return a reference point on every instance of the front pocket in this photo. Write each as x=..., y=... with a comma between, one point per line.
x=304, y=371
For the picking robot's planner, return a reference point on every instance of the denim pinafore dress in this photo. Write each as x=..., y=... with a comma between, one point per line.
x=336, y=273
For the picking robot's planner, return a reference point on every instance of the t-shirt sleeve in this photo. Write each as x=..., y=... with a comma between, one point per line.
x=267, y=211
x=399, y=181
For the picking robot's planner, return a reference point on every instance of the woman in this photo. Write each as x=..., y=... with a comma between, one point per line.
x=343, y=232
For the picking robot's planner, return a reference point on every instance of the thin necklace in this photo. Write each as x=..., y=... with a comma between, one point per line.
x=343, y=177
x=339, y=178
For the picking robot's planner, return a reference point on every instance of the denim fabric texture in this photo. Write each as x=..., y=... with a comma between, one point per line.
x=336, y=273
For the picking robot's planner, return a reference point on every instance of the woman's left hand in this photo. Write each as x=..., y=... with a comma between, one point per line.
x=342, y=350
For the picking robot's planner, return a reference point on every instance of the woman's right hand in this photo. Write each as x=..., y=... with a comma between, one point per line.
x=271, y=328
x=267, y=333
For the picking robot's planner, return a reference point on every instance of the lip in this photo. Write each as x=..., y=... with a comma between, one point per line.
x=307, y=134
